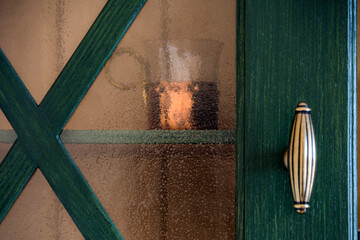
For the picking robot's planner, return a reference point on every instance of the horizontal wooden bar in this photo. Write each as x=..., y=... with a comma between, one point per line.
x=137, y=136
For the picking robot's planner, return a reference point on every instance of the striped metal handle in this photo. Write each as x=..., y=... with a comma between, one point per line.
x=300, y=157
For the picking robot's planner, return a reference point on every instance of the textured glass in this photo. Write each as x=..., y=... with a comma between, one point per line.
x=4, y=123
x=163, y=191
x=149, y=191
x=39, y=36
x=184, y=79
x=4, y=148
x=174, y=69
x=7, y=136
x=37, y=214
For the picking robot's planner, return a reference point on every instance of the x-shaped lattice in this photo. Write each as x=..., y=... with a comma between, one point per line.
x=38, y=127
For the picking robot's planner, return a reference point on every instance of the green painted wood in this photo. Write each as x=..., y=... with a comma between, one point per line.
x=42, y=145
x=240, y=121
x=88, y=59
x=13, y=177
x=79, y=73
x=300, y=51
x=137, y=136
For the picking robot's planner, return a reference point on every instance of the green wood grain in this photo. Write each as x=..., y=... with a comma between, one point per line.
x=70, y=87
x=300, y=51
x=240, y=120
x=13, y=176
x=88, y=59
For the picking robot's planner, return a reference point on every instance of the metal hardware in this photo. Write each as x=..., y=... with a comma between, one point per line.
x=300, y=157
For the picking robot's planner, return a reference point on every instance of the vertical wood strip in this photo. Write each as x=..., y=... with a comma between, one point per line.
x=240, y=120
x=300, y=51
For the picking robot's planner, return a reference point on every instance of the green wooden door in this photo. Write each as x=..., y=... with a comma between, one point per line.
x=296, y=51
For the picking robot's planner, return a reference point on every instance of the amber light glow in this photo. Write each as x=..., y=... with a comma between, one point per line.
x=176, y=104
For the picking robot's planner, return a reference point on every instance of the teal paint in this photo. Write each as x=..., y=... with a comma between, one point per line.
x=40, y=143
x=240, y=122
x=300, y=51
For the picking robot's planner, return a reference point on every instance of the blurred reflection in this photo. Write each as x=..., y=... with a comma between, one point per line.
x=183, y=93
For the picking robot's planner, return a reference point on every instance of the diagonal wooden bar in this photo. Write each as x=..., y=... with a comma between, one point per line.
x=62, y=99
x=43, y=146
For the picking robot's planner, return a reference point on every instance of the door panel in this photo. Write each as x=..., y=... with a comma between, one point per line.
x=156, y=184
x=300, y=51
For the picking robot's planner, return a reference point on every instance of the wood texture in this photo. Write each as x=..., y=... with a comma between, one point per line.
x=41, y=144
x=300, y=51
x=15, y=171
x=240, y=121
x=58, y=105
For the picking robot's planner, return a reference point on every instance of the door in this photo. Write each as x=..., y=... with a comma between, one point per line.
x=297, y=51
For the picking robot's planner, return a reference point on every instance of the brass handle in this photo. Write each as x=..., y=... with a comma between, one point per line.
x=300, y=157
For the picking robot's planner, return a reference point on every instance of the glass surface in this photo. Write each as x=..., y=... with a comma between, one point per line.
x=174, y=69
x=39, y=36
x=184, y=79
x=7, y=136
x=163, y=191
x=4, y=123
x=38, y=214
x=149, y=191
x=4, y=149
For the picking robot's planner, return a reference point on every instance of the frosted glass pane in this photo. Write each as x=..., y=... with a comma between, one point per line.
x=4, y=148
x=4, y=123
x=149, y=191
x=7, y=136
x=163, y=191
x=37, y=214
x=174, y=69
x=39, y=36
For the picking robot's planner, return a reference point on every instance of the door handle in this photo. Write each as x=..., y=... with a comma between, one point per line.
x=300, y=157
